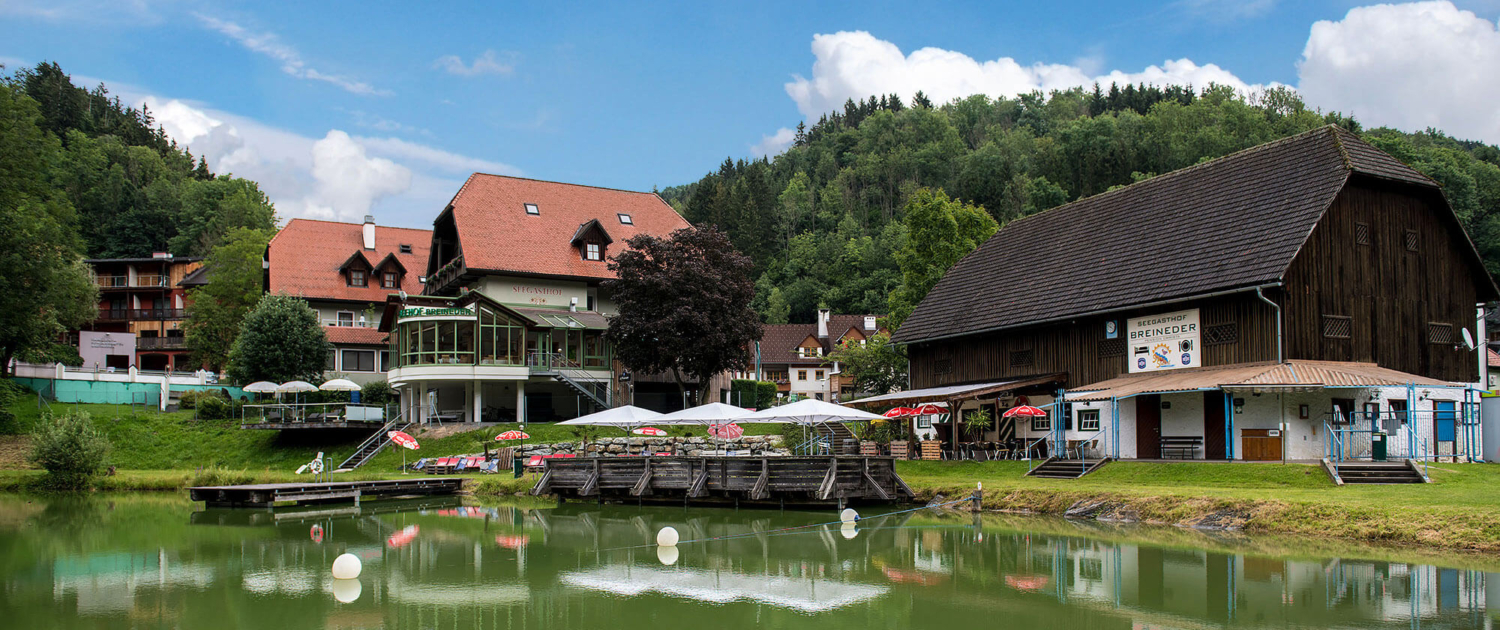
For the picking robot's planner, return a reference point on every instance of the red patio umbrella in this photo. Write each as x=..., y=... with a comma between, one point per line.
x=403, y=538
x=511, y=435
x=1024, y=411
x=512, y=542
x=401, y=438
x=898, y=412
x=726, y=431
x=928, y=409
x=651, y=431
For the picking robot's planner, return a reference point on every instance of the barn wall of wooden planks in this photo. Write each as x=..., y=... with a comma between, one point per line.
x=1403, y=306
x=793, y=480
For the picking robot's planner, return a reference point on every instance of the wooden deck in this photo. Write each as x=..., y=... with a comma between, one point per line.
x=270, y=494
x=771, y=480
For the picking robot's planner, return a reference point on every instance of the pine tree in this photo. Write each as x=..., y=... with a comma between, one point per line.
x=920, y=100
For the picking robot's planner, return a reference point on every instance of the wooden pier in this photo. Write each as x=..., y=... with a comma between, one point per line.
x=771, y=480
x=271, y=494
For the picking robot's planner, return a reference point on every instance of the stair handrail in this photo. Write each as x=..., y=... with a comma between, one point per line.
x=578, y=385
x=1422, y=448
x=381, y=436
x=1083, y=454
x=1335, y=443
x=1026, y=452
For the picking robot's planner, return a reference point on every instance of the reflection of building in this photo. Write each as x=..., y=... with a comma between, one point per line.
x=345, y=271
x=1228, y=309
x=145, y=297
x=793, y=355
x=511, y=321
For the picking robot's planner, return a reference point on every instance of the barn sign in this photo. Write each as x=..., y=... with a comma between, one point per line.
x=1165, y=341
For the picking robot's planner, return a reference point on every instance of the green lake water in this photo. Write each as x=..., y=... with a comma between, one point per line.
x=158, y=561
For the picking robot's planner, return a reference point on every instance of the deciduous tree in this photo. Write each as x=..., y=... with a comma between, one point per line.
x=877, y=367
x=941, y=231
x=235, y=284
x=280, y=340
x=683, y=306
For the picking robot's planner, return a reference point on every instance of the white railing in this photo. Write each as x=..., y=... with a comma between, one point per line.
x=339, y=323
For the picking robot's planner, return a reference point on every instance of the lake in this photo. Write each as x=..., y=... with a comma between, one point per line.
x=158, y=561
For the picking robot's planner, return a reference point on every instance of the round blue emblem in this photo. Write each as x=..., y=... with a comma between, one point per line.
x=1186, y=358
x=1140, y=364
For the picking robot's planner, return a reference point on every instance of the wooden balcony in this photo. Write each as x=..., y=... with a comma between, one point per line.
x=139, y=314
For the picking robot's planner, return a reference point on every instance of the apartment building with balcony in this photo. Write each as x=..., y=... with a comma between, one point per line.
x=142, y=306
x=345, y=271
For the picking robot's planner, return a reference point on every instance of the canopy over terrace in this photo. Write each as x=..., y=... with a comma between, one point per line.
x=1216, y=406
x=954, y=397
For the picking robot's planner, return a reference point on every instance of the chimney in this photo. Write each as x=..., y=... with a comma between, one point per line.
x=369, y=231
x=823, y=323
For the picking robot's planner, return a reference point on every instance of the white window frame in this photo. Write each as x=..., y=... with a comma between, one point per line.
x=1041, y=423
x=625, y=219
x=338, y=318
x=591, y=251
x=1087, y=424
x=374, y=360
x=532, y=209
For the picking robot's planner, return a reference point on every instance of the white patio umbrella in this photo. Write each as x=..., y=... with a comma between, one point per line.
x=292, y=387
x=626, y=417
x=811, y=411
x=261, y=387
x=339, y=385
x=709, y=414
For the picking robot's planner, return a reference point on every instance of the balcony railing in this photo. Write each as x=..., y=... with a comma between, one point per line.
x=139, y=314
x=350, y=324
x=160, y=343
x=151, y=281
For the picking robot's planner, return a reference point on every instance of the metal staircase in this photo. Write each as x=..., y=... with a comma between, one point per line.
x=596, y=391
x=374, y=443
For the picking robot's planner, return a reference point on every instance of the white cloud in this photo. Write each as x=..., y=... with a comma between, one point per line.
x=487, y=63
x=774, y=144
x=1408, y=66
x=857, y=64
x=338, y=176
x=291, y=61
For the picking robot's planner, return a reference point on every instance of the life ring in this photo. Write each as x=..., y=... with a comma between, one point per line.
x=317, y=533
x=315, y=466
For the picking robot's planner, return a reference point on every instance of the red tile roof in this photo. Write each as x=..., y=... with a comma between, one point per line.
x=305, y=257
x=779, y=342
x=353, y=335
x=497, y=235
x=1494, y=357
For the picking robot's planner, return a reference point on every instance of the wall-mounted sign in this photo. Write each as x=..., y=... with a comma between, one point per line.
x=1167, y=341
x=428, y=312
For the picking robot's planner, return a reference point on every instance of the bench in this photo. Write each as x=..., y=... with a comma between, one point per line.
x=1181, y=446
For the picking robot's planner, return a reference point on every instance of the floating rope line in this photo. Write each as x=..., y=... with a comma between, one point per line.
x=787, y=530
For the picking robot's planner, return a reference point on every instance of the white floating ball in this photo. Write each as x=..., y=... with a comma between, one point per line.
x=848, y=530
x=667, y=537
x=346, y=591
x=347, y=567
x=667, y=555
x=848, y=515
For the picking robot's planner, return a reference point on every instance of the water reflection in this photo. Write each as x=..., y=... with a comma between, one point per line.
x=154, y=563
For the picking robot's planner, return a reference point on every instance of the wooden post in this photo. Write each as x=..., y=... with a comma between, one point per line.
x=976, y=505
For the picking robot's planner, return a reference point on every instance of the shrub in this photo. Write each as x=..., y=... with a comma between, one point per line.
x=10, y=392
x=71, y=450
x=755, y=394
x=377, y=393
x=189, y=399
x=213, y=407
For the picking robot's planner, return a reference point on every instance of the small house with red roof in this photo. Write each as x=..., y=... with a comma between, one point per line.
x=795, y=356
x=345, y=271
x=510, y=322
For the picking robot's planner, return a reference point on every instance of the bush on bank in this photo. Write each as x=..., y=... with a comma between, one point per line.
x=70, y=449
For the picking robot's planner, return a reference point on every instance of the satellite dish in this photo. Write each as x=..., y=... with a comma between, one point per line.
x=1468, y=339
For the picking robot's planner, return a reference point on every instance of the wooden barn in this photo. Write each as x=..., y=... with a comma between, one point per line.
x=1293, y=299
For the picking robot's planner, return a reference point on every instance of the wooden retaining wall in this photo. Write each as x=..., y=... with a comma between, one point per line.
x=820, y=479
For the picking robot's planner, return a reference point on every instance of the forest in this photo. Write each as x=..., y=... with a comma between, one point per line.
x=825, y=221
x=132, y=189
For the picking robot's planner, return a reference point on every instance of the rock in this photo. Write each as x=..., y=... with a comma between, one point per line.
x=937, y=500
x=616, y=448
x=542, y=451
x=697, y=440
x=697, y=452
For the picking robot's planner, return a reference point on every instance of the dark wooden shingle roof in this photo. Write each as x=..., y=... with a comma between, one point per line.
x=1234, y=222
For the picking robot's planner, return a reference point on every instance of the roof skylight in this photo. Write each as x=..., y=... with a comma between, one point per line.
x=532, y=209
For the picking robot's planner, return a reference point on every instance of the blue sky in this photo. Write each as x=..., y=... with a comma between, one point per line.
x=343, y=108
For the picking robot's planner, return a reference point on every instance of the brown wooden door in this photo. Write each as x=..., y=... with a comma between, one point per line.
x=1213, y=424
x=1148, y=427
x=1258, y=445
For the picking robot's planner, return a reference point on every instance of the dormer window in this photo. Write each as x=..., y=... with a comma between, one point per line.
x=357, y=278
x=532, y=209
x=591, y=251
x=390, y=280
x=406, y=249
x=625, y=219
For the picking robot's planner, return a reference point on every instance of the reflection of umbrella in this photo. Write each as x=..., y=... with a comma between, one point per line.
x=261, y=387
x=898, y=412
x=651, y=431
x=914, y=577
x=511, y=435
x=1027, y=582
x=402, y=538
x=726, y=431
x=1024, y=411
x=512, y=542
x=339, y=385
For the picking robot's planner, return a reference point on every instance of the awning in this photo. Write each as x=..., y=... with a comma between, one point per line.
x=1295, y=375
x=954, y=392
